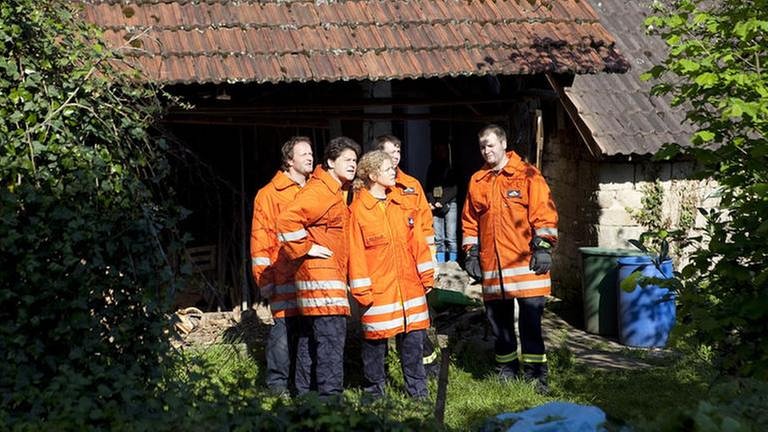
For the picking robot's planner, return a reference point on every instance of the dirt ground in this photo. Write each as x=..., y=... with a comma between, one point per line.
x=463, y=324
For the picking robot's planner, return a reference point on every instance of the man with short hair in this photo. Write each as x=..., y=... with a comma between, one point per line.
x=272, y=271
x=510, y=227
x=414, y=202
x=314, y=233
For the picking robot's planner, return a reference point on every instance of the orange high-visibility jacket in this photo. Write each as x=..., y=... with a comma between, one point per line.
x=414, y=201
x=319, y=215
x=390, y=266
x=503, y=211
x=272, y=270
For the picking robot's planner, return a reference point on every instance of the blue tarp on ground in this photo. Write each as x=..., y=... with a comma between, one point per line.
x=557, y=417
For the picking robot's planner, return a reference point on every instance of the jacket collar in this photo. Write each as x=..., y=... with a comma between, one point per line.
x=514, y=163
x=403, y=181
x=366, y=198
x=323, y=176
x=283, y=181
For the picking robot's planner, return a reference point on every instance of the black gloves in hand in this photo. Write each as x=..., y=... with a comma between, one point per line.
x=541, y=261
x=472, y=263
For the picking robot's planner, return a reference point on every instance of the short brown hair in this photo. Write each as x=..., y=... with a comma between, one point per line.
x=336, y=146
x=494, y=129
x=287, y=150
x=380, y=140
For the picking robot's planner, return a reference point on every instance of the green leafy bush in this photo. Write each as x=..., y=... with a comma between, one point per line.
x=735, y=405
x=715, y=68
x=84, y=227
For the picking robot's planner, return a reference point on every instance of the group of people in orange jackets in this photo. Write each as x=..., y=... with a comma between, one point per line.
x=358, y=225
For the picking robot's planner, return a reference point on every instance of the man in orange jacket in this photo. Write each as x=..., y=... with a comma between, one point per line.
x=272, y=271
x=314, y=232
x=414, y=201
x=510, y=227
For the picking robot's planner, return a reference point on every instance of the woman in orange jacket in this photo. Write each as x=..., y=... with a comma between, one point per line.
x=390, y=270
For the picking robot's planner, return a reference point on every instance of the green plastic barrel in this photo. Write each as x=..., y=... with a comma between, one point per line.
x=599, y=273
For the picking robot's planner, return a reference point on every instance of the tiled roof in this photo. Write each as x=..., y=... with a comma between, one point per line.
x=618, y=109
x=201, y=41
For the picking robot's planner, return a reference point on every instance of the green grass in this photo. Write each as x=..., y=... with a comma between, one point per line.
x=636, y=397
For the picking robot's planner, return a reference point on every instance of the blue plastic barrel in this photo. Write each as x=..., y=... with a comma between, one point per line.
x=647, y=313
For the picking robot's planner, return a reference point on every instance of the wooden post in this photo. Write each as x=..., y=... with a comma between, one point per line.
x=539, y=137
x=243, y=232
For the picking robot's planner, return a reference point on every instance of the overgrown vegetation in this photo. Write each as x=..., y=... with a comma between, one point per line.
x=674, y=393
x=663, y=231
x=84, y=266
x=718, y=52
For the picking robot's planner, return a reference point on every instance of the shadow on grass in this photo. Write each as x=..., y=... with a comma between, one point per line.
x=633, y=396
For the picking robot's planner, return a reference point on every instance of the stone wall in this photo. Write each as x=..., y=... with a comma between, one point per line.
x=595, y=200
x=573, y=177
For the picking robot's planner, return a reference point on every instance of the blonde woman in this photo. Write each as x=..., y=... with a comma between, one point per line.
x=390, y=271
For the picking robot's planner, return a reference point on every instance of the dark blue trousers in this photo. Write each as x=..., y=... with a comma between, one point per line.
x=501, y=316
x=410, y=347
x=281, y=349
x=320, y=355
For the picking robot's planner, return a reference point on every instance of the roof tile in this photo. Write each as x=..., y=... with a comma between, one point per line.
x=299, y=40
x=619, y=105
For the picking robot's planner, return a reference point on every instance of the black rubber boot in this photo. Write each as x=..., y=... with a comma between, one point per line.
x=538, y=374
x=508, y=371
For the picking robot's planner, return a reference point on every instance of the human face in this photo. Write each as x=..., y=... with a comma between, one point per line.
x=344, y=166
x=386, y=175
x=393, y=151
x=302, y=159
x=493, y=150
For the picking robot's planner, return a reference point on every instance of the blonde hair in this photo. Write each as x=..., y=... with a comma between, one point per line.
x=369, y=164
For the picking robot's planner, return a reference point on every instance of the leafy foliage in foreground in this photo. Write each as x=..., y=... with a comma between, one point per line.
x=82, y=270
x=716, y=68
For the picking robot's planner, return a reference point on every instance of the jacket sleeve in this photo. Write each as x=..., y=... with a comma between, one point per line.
x=360, y=283
x=425, y=265
x=542, y=214
x=293, y=222
x=264, y=243
x=469, y=222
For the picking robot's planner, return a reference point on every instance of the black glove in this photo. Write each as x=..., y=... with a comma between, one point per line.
x=472, y=264
x=541, y=261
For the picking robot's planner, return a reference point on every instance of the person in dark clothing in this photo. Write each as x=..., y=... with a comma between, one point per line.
x=441, y=195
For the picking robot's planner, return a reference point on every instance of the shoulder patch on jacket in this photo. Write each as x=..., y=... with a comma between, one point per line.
x=514, y=193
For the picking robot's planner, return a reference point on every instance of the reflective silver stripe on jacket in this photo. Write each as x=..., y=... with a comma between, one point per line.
x=383, y=325
x=360, y=283
x=512, y=271
x=425, y=266
x=383, y=309
x=324, y=301
x=517, y=286
x=291, y=236
x=321, y=285
x=261, y=261
x=418, y=301
x=418, y=317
